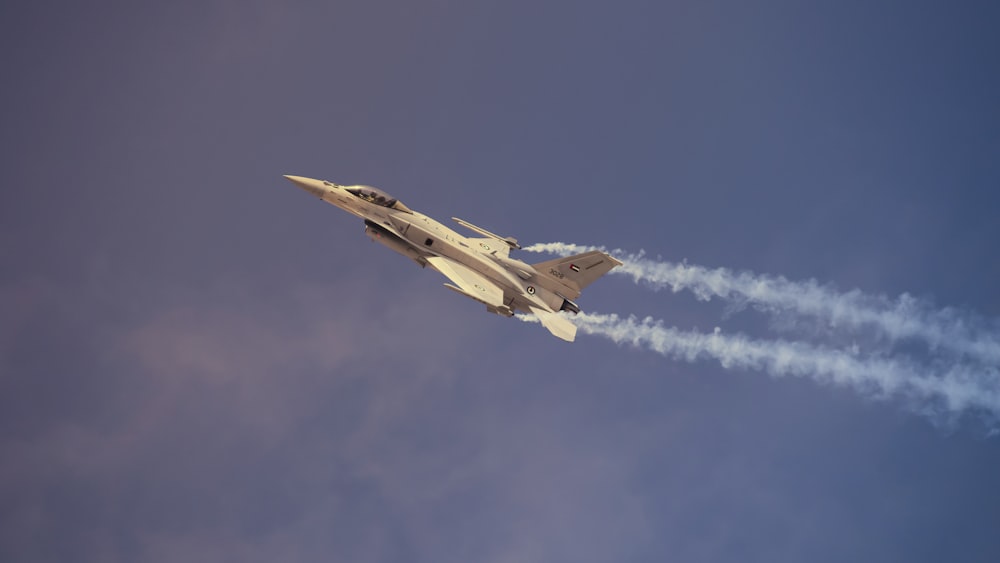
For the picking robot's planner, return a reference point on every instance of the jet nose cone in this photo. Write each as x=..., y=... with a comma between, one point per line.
x=314, y=187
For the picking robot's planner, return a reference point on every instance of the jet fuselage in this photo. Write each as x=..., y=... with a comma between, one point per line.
x=480, y=268
x=417, y=237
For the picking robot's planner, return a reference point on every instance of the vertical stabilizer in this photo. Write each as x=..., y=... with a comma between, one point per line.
x=577, y=272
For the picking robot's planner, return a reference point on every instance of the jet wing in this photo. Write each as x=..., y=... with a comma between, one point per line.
x=511, y=242
x=490, y=246
x=470, y=282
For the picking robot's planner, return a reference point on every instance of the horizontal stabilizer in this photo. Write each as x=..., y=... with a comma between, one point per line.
x=558, y=325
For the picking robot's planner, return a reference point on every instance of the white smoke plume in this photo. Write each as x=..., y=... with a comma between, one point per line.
x=961, y=333
x=939, y=389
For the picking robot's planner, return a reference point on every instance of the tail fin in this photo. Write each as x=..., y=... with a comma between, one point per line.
x=578, y=271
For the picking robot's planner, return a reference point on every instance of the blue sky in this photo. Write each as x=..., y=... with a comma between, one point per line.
x=199, y=361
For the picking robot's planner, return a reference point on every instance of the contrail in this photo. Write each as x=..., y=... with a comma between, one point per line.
x=962, y=333
x=935, y=390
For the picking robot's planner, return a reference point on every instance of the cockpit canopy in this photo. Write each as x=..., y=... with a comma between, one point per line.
x=378, y=197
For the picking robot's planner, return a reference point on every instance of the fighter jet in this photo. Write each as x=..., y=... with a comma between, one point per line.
x=479, y=268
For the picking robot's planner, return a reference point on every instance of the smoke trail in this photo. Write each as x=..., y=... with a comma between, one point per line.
x=960, y=332
x=941, y=389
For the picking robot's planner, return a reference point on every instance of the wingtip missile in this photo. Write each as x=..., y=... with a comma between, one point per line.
x=510, y=241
